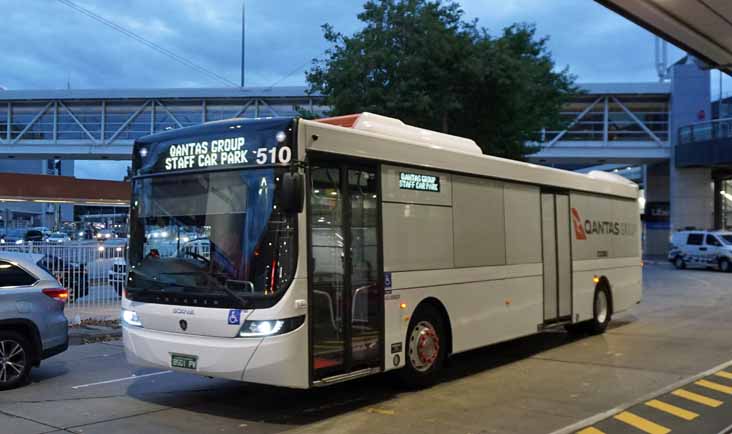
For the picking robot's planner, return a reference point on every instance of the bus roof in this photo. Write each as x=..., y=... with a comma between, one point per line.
x=386, y=139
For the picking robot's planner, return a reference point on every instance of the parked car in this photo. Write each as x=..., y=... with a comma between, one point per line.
x=73, y=275
x=58, y=238
x=33, y=326
x=118, y=275
x=13, y=236
x=106, y=234
x=708, y=249
x=34, y=235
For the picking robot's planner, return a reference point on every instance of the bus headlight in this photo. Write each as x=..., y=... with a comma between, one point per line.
x=252, y=329
x=130, y=317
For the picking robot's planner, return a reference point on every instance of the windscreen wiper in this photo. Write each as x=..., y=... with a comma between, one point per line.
x=245, y=303
x=178, y=288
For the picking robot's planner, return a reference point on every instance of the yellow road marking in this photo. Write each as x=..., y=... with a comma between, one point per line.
x=642, y=424
x=591, y=430
x=724, y=374
x=672, y=409
x=715, y=386
x=695, y=397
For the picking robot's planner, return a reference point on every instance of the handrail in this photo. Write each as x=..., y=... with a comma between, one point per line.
x=705, y=131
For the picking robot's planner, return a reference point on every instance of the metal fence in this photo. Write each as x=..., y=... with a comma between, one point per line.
x=94, y=273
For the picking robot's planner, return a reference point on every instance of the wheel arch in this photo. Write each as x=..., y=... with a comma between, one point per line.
x=440, y=307
x=28, y=329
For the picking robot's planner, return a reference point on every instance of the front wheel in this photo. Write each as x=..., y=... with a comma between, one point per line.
x=426, y=348
x=15, y=360
x=679, y=263
x=724, y=265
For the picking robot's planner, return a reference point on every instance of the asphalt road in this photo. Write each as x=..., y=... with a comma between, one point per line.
x=538, y=384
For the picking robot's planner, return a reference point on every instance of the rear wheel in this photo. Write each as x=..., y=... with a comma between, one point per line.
x=426, y=347
x=15, y=360
x=724, y=265
x=601, y=313
x=679, y=263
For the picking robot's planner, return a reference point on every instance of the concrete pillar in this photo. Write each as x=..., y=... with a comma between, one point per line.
x=656, y=218
x=692, y=190
x=67, y=211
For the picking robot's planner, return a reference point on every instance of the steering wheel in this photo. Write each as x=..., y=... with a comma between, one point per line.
x=195, y=255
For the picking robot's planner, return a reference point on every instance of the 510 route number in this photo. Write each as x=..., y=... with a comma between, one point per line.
x=282, y=155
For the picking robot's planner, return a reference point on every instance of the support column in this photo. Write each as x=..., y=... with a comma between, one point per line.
x=656, y=216
x=692, y=190
x=67, y=211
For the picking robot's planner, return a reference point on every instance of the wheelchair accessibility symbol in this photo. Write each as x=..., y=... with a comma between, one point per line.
x=387, y=280
x=234, y=317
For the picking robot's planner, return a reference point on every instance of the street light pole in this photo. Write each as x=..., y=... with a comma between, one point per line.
x=243, y=39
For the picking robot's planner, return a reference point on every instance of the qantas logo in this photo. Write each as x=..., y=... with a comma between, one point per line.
x=582, y=228
x=579, y=231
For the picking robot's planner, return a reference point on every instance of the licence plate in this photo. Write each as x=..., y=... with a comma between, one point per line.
x=184, y=361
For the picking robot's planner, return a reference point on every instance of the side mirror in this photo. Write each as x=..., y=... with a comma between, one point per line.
x=292, y=192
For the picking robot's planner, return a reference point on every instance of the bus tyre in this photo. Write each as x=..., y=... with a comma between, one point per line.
x=724, y=265
x=601, y=314
x=426, y=348
x=15, y=360
x=601, y=311
x=679, y=263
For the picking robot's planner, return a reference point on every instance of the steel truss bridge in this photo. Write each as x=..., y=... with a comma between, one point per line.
x=624, y=123
x=613, y=123
x=103, y=124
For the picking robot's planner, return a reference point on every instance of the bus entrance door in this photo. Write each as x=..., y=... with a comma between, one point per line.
x=555, y=228
x=346, y=293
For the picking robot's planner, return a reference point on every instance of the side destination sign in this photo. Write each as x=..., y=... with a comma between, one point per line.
x=222, y=152
x=415, y=181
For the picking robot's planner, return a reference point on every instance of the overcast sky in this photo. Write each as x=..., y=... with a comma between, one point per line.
x=47, y=44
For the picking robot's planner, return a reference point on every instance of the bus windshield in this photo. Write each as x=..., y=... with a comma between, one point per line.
x=215, y=233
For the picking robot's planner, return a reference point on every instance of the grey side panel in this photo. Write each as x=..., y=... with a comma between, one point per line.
x=417, y=237
x=523, y=224
x=564, y=269
x=479, y=222
x=549, y=249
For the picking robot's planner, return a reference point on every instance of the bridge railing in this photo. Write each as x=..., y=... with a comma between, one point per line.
x=706, y=131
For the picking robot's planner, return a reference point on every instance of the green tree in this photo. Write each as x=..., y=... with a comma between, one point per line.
x=422, y=62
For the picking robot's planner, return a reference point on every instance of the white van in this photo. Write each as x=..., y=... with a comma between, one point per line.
x=701, y=249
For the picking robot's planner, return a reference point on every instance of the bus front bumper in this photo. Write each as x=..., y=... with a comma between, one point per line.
x=277, y=360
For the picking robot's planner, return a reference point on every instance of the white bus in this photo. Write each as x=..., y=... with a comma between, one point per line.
x=356, y=245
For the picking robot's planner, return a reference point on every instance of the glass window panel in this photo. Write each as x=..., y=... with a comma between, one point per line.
x=363, y=191
x=328, y=267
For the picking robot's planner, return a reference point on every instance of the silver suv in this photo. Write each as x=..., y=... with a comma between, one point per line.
x=32, y=322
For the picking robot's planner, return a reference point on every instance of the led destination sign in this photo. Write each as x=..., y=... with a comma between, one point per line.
x=222, y=152
x=418, y=182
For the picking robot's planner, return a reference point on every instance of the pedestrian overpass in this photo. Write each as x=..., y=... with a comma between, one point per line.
x=610, y=123
x=103, y=124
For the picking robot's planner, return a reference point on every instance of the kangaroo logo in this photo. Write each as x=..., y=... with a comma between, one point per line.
x=579, y=230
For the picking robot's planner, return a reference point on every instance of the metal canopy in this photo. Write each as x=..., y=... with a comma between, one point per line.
x=701, y=27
